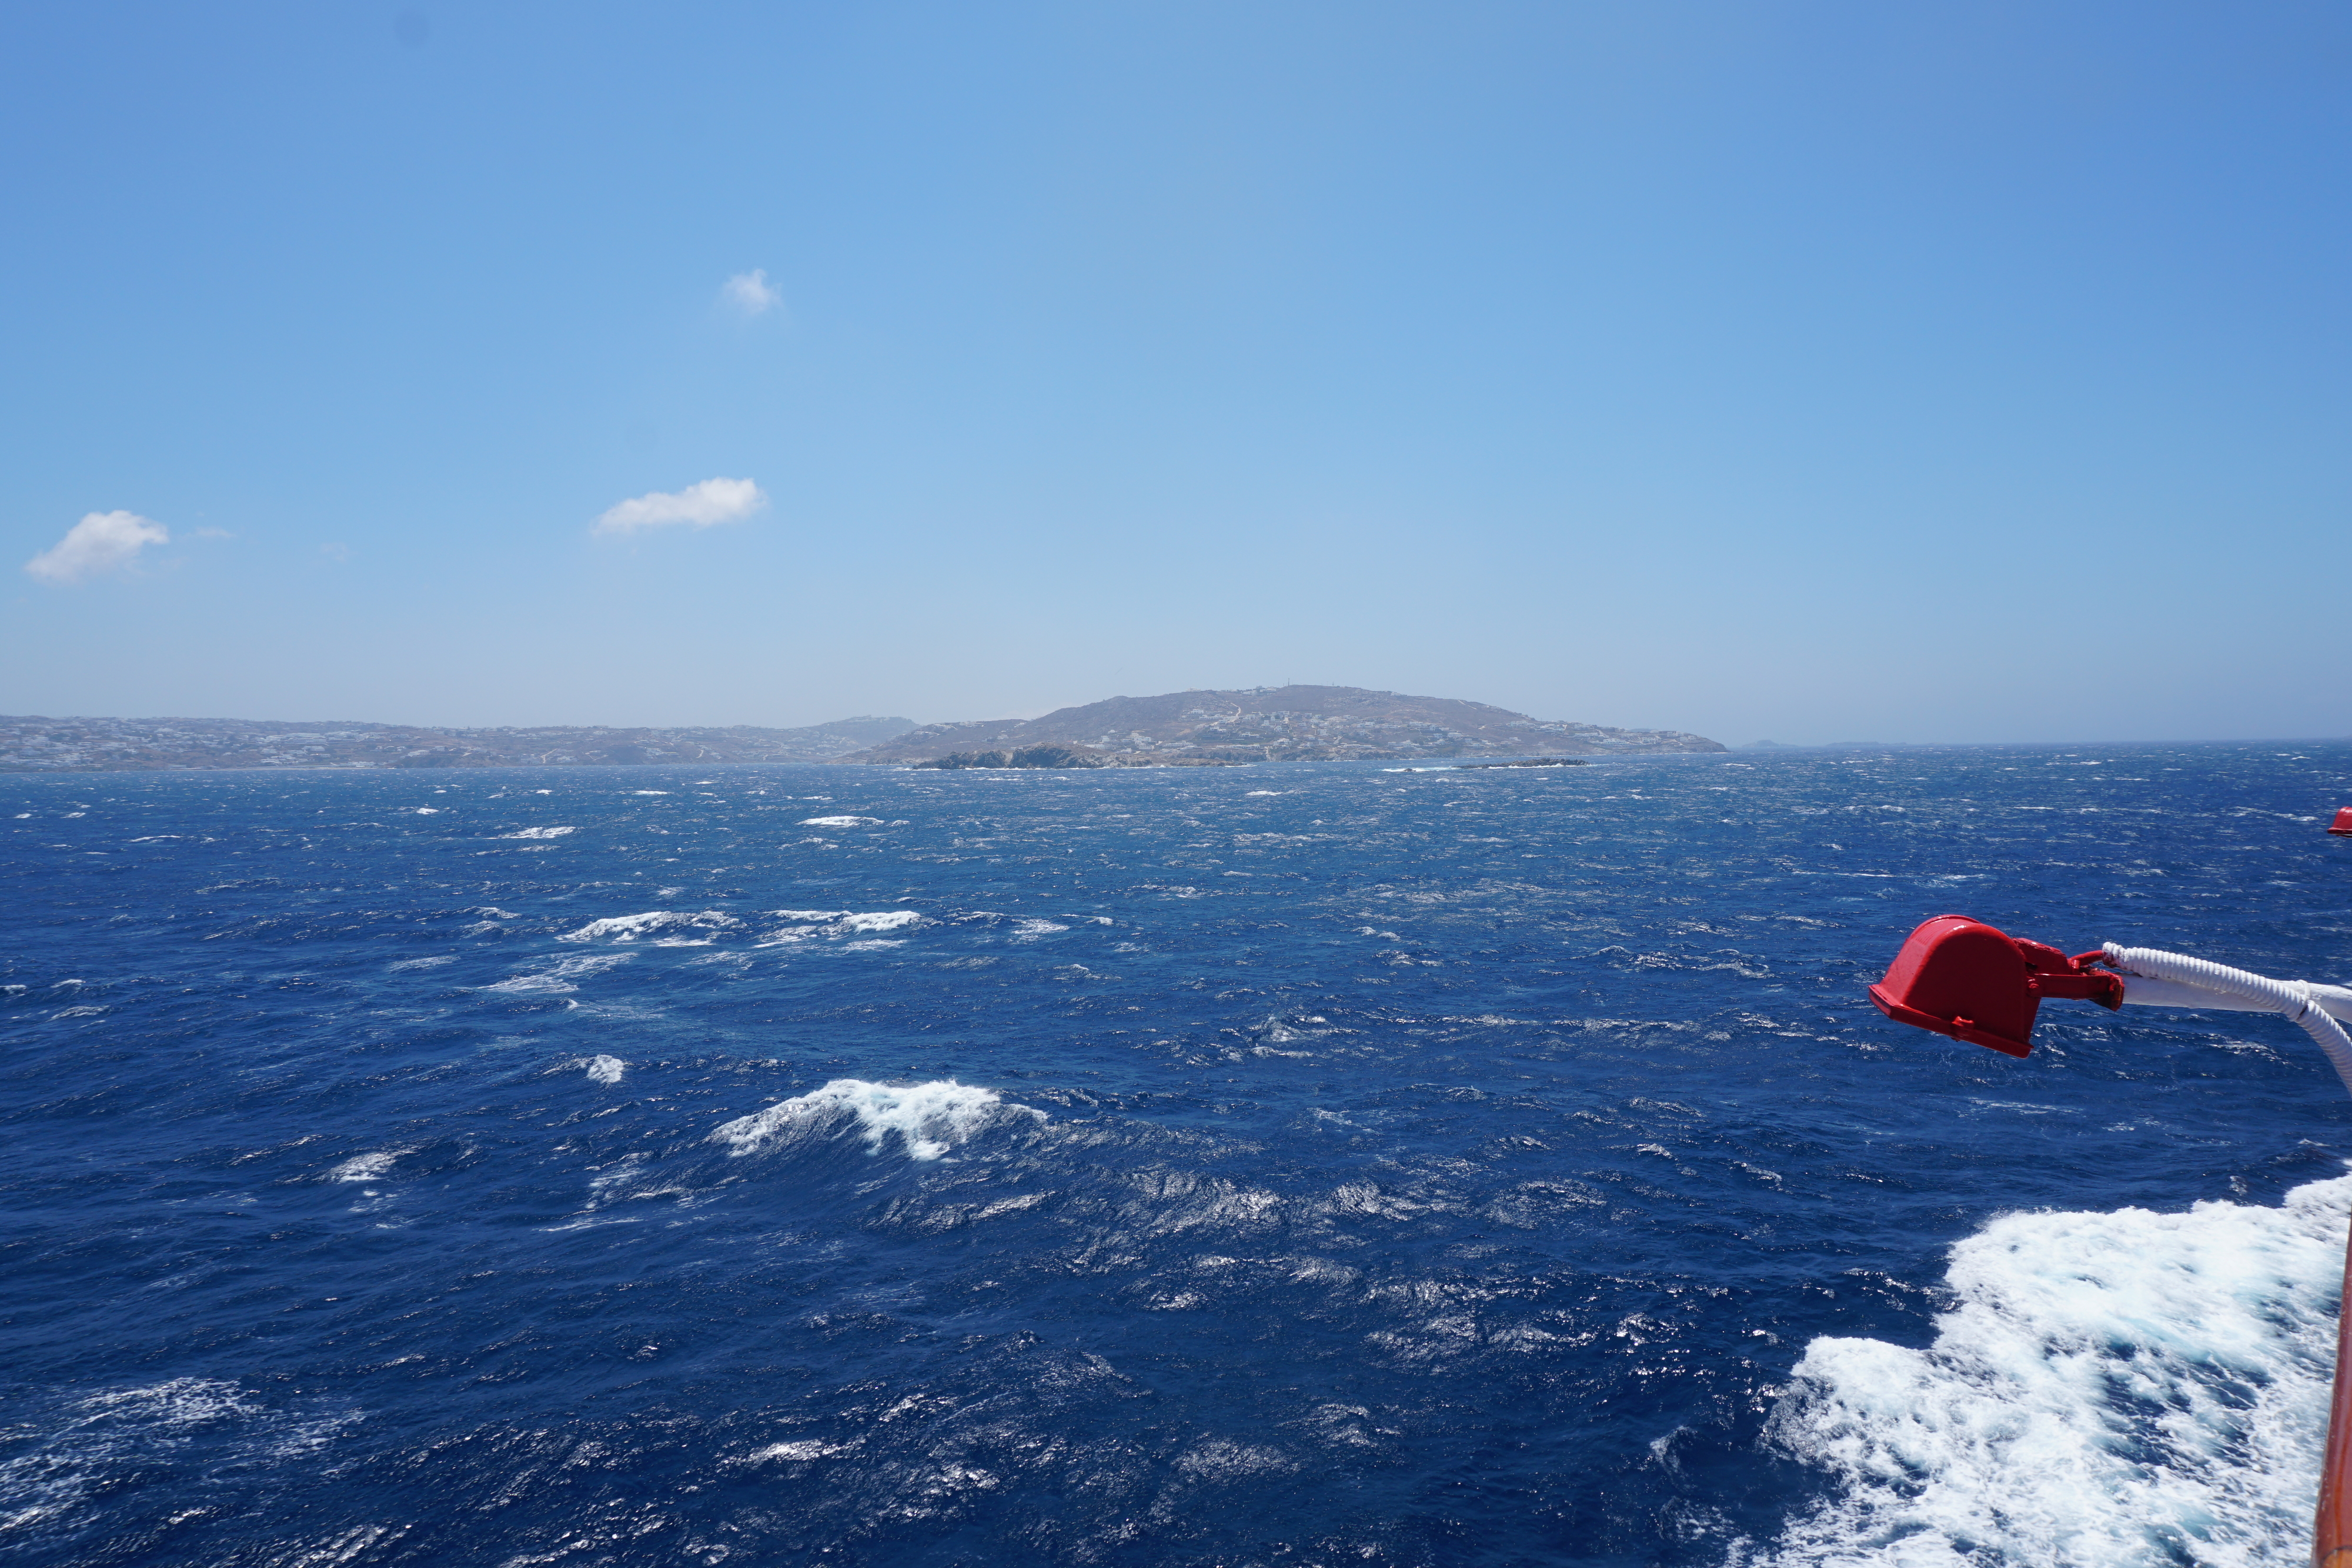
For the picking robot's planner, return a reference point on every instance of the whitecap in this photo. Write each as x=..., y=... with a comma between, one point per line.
x=885, y=920
x=801, y=1452
x=838, y=923
x=604, y=1069
x=928, y=1119
x=629, y=927
x=558, y=980
x=539, y=833
x=2117, y=1387
x=366, y=1167
x=841, y=822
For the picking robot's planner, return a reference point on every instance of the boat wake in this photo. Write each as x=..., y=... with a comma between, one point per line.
x=2119, y=1388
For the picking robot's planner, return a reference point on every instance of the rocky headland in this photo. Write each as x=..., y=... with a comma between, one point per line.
x=1268, y=723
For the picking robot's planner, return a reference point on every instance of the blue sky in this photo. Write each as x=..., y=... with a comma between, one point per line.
x=1802, y=371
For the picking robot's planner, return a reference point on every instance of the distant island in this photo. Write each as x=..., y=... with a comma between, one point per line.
x=1263, y=724
x=101, y=745
x=1179, y=729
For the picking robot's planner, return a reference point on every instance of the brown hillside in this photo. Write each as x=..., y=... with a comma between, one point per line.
x=1282, y=724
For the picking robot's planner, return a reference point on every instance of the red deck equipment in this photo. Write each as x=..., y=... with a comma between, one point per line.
x=2342, y=826
x=1964, y=978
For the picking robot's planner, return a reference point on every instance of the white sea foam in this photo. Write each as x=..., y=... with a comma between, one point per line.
x=539, y=833
x=604, y=1069
x=434, y=963
x=98, y=1437
x=629, y=927
x=558, y=980
x=366, y=1167
x=801, y=1452
x=841, y=822
x=838, y=923
x=2119, y=1388
x=928, y=1119
x=884, y=920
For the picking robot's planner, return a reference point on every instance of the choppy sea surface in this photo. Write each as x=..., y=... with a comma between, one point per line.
x=1296, y=1165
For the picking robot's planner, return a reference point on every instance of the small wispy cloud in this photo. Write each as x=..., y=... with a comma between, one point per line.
x=101, y=541
x=696, y=506
x=751, y=292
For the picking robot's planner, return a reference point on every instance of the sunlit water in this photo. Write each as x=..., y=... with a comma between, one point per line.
x=1285, y=1165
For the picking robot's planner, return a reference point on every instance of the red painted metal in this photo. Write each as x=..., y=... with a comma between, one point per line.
x=2331, y=1532
x=1962, y=978
x=2342, y=826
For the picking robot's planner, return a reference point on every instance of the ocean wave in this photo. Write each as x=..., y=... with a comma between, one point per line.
x=2119, y=1388
x=885, y=920
x=838, y=923
x=841, y=822
x=629, y=927
x=928, y=1119
x=558, y=980
x=366, y=1167
x=539, y=833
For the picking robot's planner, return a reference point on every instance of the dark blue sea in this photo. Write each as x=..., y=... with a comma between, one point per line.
x=1290, y=1165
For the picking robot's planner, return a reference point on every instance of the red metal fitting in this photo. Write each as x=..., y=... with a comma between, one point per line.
x=1964, y=978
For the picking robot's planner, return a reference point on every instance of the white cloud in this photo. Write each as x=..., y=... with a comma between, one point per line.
x=696, y=506
x=101, y=541
x=749, y=292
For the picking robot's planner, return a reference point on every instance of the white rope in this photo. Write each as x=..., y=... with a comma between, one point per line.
x=2292, y=997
